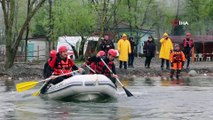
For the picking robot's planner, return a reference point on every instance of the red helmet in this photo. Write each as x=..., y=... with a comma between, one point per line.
x=188, y=34
x=53, y=53
x=62, y=49
x=101, y=53
x=112, y=52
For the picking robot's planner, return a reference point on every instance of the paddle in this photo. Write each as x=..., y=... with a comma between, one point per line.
x=90, y=68
x=20, y=87
x=128, y=93
x=37, y=93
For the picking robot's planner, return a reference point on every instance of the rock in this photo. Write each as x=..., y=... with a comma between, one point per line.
x=192, y=73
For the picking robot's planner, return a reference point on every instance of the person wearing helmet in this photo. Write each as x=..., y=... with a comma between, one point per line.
x=47, y=71
x=106, y=44
x=91, y=61
x=165, y=50
x=61, y=64
x=188, y=45
x=124, y=50
x=177, y=59
x=109, y=60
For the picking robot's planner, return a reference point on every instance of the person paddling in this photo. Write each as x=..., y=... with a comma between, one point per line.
x=102, y=69
x=61, y=64
x=92, y=61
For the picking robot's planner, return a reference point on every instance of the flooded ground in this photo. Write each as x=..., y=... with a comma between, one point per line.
x=154, y=99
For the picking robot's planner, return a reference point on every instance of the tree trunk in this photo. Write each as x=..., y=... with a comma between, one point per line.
x=81, y=48
x=10, y=57
x=130, y=15
x=73, y=48
x=12, y=42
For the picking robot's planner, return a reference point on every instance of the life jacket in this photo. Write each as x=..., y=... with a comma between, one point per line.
x=63, y=67
x=190, y=43
x=99, y=67
x=106, y=71
x=102, y=69
x=177, y=57
x=93, y=67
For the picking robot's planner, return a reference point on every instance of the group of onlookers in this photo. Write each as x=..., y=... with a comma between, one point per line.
x=173, y=57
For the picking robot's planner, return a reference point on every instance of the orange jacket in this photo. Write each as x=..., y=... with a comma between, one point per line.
x=176, y=58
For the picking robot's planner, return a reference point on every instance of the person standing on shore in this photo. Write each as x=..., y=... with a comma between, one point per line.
x=188, y=44
x=149, y=50
x=131, y=55
x=124, y=50
x=165, y=50
x=106, y=44
x=177, y=59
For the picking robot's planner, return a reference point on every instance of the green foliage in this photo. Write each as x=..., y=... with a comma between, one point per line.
x=39, y=25
x=73, y=18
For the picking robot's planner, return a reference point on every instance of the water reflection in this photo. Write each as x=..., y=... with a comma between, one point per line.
x=166, y=81
x=9, y=85
x=149, y=81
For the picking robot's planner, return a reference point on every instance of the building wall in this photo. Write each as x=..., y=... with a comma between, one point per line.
x=37, y=50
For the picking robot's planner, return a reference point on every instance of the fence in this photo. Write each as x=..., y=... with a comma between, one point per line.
x=36, y=55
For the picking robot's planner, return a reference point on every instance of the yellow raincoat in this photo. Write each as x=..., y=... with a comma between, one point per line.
x=166, y=47
x=124, y=49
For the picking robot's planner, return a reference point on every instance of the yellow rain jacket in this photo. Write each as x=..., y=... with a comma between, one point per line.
x=124, y=49
x=166, y=47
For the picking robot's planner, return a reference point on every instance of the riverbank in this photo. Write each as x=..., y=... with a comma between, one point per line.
x=34, y=71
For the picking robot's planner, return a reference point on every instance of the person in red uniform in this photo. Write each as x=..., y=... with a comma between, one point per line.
x=91, y=63
x=177, y=59
x=188, y=44
x=61, y=64
x=109, y=60
x=47, y=71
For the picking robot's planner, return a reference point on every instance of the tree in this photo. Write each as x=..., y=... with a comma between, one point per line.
x=74, y=18
x=13, y=41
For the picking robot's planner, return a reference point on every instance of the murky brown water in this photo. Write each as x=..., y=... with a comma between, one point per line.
x=154, y=99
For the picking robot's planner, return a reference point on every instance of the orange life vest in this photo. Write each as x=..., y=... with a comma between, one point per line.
x=176, y=58
x=63, y=67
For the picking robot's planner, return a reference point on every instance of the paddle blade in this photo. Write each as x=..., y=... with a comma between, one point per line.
x=37, y=93
x=128, y=93
x=20, y=87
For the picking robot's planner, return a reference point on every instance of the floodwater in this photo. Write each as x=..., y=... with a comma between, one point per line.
x=154, y=99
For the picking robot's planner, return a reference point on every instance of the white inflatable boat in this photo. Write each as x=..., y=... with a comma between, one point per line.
x=83, y=88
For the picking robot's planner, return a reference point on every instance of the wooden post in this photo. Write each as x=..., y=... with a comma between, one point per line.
x=38, y=52
x=193, y=54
